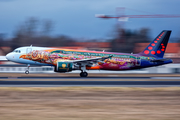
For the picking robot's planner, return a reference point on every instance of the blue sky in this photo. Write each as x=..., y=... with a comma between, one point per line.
x=76, y=18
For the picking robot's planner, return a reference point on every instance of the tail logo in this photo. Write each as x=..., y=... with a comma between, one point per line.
x=151, y=47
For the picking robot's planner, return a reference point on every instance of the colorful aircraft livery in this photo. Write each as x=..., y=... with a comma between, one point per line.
x=66, y=60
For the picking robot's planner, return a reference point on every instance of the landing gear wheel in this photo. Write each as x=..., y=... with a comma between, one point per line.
x=83, y=74
x=27, y=72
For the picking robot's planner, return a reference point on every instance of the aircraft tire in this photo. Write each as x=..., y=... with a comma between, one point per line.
x=83, y=74
x=26, y=72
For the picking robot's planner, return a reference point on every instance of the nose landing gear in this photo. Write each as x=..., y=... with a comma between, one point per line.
x=27, y=70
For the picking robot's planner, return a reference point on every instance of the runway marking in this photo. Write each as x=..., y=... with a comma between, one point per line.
x=57, y=77
x=110, y=77
x=12, y=78
x=165, y=77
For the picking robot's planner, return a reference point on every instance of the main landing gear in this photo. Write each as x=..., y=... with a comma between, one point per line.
x=83, y=74
x=27, y=70
x=83, y=71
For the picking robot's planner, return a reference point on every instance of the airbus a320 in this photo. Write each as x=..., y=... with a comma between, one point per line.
x=67, y=60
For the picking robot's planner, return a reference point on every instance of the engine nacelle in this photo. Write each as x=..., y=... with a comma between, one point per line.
x=63, y=67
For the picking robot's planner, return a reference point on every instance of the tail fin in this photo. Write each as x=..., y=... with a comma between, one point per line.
x=158, y=46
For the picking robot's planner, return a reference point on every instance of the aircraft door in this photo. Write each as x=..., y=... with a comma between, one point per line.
x=28, y=51
x=138, y=61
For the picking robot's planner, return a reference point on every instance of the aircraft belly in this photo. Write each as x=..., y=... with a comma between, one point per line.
x=113, y=66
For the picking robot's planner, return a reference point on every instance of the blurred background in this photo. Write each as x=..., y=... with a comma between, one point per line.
x=72, y=24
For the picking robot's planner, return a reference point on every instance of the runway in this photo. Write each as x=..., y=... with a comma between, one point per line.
x=88, y=78
x=89, y=83
x=73, y=77
x=20, y=80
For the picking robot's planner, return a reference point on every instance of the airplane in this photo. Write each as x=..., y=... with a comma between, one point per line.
x=67, y=60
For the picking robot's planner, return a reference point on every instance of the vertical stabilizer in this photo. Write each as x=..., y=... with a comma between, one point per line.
x=158, y=46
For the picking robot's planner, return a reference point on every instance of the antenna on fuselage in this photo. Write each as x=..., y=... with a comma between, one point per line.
x=30, y=45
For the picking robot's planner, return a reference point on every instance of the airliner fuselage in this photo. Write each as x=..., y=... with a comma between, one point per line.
x=66, y=60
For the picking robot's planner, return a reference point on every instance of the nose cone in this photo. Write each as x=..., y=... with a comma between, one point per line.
x=9, y=56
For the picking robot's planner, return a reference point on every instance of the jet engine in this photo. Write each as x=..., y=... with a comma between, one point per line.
x=63, y=67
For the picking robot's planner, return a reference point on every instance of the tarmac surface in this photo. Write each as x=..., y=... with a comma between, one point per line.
x=89, y=78
x=89, y=83
x=55, y=80
x=58, y=77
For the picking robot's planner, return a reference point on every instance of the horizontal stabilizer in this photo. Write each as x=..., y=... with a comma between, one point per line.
x=160, y=60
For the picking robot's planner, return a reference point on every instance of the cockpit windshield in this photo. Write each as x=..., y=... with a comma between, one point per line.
x=17, y=51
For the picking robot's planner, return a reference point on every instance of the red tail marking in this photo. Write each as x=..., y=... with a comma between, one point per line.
x=153, y=44
x=146, y=51
x=153, y=52
x=150, y=48
x=158, y=52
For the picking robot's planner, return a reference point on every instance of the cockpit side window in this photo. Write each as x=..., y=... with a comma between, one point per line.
x=17, y=51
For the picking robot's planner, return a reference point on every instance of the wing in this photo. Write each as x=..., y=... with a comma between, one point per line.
x=91, y=60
